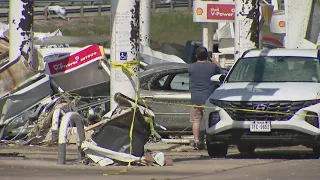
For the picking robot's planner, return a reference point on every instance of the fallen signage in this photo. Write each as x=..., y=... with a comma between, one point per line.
x=111, y=142
x=208, y=11
x=75, y=61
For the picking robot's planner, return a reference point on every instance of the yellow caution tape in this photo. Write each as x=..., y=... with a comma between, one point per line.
x=149, y=118
x=235, y=109
x=127, y=66
x=130, y=138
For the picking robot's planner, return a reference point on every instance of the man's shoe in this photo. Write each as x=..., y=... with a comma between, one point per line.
x=199, y=146
x=202, y=146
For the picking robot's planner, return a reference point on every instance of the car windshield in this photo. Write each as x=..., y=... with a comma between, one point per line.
x=275, y=69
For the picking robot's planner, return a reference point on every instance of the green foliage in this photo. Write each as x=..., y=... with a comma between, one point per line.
x=176, y=27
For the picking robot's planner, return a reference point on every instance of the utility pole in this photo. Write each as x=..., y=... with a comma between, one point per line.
x=145, y=22
x=205, y=35
x=247, y=30
x=20, y=37
x=21, y=33
x=124, y=48
x=275, y=4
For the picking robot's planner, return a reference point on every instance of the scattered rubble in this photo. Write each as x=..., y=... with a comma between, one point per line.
x=112, y=141
x=60, y=11
x=33, y=101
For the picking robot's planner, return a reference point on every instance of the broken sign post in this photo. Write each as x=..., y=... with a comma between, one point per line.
x=21, y=62
x=124, y=48
x=246, y=26
x=21, y=22
x=145, y=17
x=110, y=143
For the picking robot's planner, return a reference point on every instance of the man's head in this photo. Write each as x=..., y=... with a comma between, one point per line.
x=202, y=53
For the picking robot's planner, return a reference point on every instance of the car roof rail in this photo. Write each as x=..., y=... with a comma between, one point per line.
x=247, y=51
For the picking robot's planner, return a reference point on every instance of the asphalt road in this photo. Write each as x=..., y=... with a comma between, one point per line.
x=294, y=163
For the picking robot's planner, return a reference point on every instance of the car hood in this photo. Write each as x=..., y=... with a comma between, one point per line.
x=290, y=91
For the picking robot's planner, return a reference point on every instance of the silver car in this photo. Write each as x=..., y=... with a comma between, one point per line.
x=166, y=88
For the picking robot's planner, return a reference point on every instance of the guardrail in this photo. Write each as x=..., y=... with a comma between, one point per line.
x=42, y=3
x=97, y=10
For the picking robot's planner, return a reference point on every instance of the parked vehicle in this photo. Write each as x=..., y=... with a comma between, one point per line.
x=169, y=83
x=268, y=98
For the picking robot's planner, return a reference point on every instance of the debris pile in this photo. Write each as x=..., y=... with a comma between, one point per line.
x=122, y=136
x=4, y=37
x=68, y=79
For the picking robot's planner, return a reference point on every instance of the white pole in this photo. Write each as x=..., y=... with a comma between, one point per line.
x=145, y=23
x=63, y=134
x=205, y=35
x=124, y=47
x=246, y=26
x=275, y=4
x=211, y=31
x=21, y=23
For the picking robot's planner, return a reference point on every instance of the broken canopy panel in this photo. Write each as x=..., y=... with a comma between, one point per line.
x=79, y=69
x=23, y=99
x=150, y=56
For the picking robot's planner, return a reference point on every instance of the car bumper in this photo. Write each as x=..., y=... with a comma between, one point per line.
x=274, y=138
x=295, y=130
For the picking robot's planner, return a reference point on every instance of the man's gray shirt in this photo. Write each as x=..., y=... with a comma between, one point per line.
x=201, y=86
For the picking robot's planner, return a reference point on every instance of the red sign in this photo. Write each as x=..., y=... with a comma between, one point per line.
x=220, y=12
x=87, y=54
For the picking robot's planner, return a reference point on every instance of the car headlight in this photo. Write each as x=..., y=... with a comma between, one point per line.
x=312, y=118
x=214, y=118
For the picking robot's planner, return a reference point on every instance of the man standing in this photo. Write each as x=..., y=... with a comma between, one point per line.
x=201, y=88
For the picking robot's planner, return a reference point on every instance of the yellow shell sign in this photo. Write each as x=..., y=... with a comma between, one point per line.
x=199, y=11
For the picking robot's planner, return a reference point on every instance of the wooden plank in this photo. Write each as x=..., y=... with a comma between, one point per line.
x=81, y=11
x=190, y=5
x=154, y=5
x=99, y=10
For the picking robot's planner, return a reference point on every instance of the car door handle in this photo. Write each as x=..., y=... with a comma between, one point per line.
x=148, y=97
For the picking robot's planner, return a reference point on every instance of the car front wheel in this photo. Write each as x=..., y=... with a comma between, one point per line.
x=217, y=150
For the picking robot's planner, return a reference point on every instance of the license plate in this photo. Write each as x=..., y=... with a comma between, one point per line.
x=260, y=126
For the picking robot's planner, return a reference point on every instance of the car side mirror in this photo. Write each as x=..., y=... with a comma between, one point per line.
x=219, y=78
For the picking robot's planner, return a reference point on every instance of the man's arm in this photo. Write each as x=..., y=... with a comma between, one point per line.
x=213, y=60
x=217, y=68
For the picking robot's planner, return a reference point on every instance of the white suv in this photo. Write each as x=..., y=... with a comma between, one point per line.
x=269, y=98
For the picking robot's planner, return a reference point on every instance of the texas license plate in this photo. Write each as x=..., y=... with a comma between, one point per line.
x=260, y=126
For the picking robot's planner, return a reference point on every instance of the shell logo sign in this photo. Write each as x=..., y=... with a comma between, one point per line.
x=208, y=11
x=199, y=11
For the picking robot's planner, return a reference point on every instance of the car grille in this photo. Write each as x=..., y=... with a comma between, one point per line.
x=287, y=107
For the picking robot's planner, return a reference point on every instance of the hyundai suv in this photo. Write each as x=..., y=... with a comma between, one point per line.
x=269, y=98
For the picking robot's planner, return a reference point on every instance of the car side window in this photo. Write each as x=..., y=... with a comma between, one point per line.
x=163, y=80
x=180, y=82
x=167, y=80
x=158, y=83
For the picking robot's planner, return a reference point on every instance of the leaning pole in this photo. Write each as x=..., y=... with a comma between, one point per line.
x=124, y=48
x=247, y=30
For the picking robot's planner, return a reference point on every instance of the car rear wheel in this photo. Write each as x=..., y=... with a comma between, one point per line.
x=217, y=150
x=246, y=148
